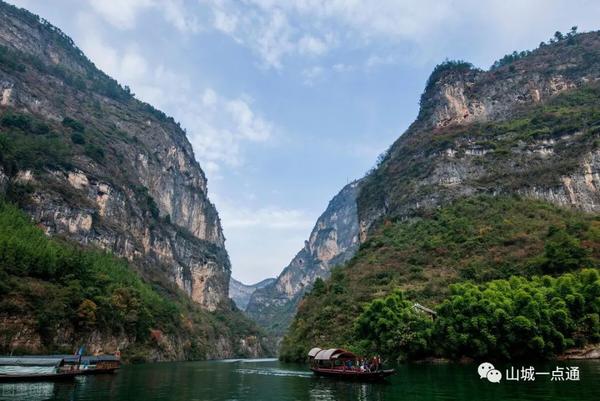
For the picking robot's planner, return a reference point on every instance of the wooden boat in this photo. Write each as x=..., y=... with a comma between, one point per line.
x=342, y=364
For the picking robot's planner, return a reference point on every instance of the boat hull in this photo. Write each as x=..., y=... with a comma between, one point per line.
x=353, y=375
x=98, y=371
x=40, y=377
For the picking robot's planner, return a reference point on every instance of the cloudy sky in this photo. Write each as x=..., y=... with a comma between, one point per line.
x=284, y=101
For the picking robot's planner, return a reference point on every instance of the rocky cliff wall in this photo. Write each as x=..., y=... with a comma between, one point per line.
x=463, y=143
x=133, y=187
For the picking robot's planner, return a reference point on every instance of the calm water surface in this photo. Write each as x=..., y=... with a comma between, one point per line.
x=265, y=380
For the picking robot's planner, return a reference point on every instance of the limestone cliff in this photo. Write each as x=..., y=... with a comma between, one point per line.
x=126, y=179
x=333, y=240
x=496, y=131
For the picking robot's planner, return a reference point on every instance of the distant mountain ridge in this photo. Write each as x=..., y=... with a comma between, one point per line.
x=241, y=293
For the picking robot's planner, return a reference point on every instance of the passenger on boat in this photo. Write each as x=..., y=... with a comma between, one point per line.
x=374, y=364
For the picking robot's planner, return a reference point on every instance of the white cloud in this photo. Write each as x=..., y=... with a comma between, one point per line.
x=123, y=14
x=218, y=127
x=276, y=29
x=376, y=60
x=312, y=45
x=312, y=75
x=341, y=67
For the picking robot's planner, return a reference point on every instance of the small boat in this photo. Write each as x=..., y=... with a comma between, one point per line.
x=340, y=363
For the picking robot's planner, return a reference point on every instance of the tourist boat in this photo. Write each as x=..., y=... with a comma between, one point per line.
x=54, y=367
x=343, y=364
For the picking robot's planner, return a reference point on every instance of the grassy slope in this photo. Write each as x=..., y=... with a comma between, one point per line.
x=61, y=285
x=477, y=239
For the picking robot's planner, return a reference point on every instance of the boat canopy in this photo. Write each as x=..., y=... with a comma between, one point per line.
x=334, y=353
x=31, y=361
x=313, y=352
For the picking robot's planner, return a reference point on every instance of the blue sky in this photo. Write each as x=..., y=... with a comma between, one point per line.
x=285, y=102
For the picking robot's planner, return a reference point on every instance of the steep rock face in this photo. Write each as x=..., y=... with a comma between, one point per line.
x=131, y=185
x=464, y=95
x=462, y=142
x=240, y=293
x=333, y=240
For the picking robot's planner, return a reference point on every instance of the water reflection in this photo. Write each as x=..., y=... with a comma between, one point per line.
x=331, y=389
x=34, y=391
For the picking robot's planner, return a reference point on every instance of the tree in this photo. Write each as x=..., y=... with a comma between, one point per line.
x=86, y=313
x=558, y=36
x=392, y=327
x=562, y=252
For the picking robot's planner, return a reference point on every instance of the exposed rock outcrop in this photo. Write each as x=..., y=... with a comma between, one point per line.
x=451, y=151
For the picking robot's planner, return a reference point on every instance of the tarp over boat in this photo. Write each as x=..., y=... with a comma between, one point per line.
x=313, y=352
x=30, y=360
x=10, y=365
x=332, y=354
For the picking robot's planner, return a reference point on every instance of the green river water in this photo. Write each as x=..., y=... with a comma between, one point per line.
x=264, y=380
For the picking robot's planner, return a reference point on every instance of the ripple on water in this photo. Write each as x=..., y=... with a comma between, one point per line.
x=274, y=372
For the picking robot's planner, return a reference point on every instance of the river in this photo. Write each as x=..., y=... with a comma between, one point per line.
x=265, y=380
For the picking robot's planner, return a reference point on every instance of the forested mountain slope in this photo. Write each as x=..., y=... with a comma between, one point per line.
x=90, y=163
x=499, y=176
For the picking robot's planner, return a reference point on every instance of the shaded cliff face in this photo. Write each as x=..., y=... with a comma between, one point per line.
x=240, y=293
x=333, y=241
x=121, y=175
x=507, y=130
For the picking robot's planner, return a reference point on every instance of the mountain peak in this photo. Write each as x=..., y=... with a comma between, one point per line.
x=457, y=93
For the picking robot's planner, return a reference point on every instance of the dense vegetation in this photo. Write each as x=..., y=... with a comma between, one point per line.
x=506, y=319
x=477, y=239
x=29, y=143
x=57, y=285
